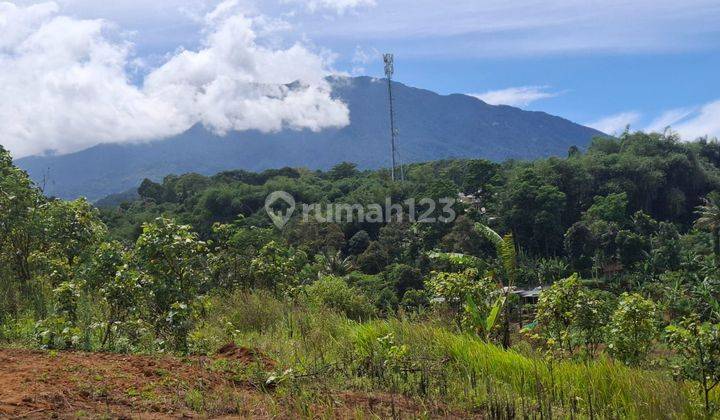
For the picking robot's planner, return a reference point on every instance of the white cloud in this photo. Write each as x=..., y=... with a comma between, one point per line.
x=362, y=58
x=689, y=122
x=615, y=124
x=337, y=6
x=516, y=96
x=64, y=83
x=669, y=119
x=704, y=122
x=529, y=27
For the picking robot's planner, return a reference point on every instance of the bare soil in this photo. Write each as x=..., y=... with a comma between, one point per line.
x=46, y=384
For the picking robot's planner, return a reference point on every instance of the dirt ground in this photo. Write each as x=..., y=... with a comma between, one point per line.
x=46, y=384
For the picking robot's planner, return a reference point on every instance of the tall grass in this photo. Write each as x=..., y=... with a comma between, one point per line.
x=430, y=362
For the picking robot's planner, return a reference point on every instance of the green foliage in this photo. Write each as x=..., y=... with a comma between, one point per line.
x=633, y=327
x=557, y=310
x=698, y=347
x=709, y=219
x=373, y=259
x=196, y=264
x=452, y=288
x=454, y=262
x=611, y=209
x=174, y=272
x=482, y=319
x=591, y=317
x=334, y=293
x=358, y=243
x=475, y=300
x=276, y=267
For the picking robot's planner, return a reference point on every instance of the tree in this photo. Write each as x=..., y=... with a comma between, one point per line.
x=21, y=225
x=633, y=327
x=698, y=345
x=665, y=248
x=374, y=259
x=358, y=243
x=276, y=267
x=556, y=311
x=74, y=228
x=172, y=260
x=122, y=292
x=709, y=220
x=611, y=208
x=316, y=237
x=631, y=247
x=467, y=294
x=151, y=190
x=533, y=210
x=404, y=277
x=462, y=238
x=343, y=170
x=593, y=310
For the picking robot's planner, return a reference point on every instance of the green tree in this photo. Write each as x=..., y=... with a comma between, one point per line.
x=358, y=243
x=151, y=190
x=173, y=264
x=593, y=311
x=21, y=224
x=455, y=291
x=374, y=259
x=698, y=345
x=557, y=310
x=404, y=277
x=343, y=170
x=276, y=267
x=611, y=208
x=74, y=228
x=709, y=220
x=122, y=293
x=632, y=329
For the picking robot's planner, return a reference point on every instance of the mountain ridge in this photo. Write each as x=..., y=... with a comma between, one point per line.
x=431, y=126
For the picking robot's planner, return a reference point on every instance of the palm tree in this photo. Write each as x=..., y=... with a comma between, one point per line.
x=335, y=264
x=709, y=220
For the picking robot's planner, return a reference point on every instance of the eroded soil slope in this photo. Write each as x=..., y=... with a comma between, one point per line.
x=42, y=384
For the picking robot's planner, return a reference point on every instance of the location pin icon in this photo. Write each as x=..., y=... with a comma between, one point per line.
x=278, y=218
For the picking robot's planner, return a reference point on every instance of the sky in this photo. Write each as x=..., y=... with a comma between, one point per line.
x=81, y=72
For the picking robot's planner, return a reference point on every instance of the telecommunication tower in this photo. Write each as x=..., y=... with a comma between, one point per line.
x=395, y=155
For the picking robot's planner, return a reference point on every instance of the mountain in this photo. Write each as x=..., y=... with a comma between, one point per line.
x=430, y=126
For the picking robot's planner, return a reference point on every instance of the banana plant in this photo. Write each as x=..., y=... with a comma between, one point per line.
x=505, y=248
x=483, y=324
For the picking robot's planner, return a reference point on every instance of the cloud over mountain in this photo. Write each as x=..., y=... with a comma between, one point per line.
x=66, y=83
x=516, y=96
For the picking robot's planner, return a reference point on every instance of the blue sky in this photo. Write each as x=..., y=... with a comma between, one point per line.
x=605, y=63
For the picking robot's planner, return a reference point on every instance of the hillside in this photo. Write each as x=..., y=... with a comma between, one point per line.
x=190, y=301
x=431, y=127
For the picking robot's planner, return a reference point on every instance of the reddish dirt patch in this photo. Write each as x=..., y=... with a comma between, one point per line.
x=41, y=384
x=244, y=355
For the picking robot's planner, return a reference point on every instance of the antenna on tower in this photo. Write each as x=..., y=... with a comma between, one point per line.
x=389, y=71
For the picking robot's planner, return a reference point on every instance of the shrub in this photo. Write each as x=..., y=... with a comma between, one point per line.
x=336, y=294
x=633, y=327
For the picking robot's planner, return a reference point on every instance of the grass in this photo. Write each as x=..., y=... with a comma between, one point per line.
x=321, y=354
x=425, y=360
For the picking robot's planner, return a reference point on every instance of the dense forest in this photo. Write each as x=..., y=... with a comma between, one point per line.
x=623, y=239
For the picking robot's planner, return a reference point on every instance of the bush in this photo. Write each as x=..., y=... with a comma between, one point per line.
x=633, y=327
x=336, y=294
